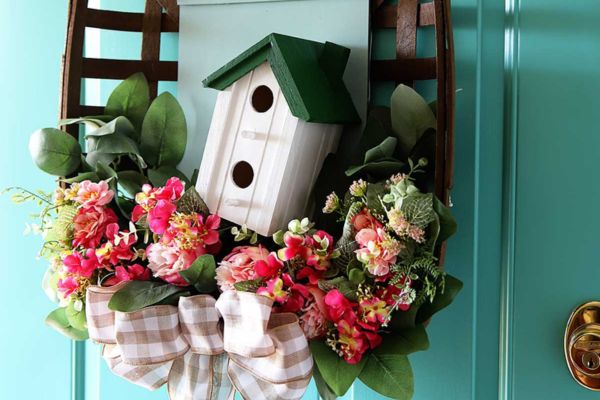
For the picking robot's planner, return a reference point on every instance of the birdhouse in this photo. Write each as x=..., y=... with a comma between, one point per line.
x=280, y=112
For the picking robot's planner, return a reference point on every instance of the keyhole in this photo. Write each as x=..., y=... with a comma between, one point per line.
x=591, y=360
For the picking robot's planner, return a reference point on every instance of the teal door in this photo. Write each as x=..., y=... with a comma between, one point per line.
x=525, y=194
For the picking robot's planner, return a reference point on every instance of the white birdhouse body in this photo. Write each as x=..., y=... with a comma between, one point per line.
x=285, y=155
x=279, y=114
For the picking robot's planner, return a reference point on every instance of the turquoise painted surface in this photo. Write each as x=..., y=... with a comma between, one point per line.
x=35, y=359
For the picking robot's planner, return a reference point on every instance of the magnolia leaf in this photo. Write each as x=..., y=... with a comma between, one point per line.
x=135, y=295
x=55, y=152
x=383, y=150
x=201, y=274
x=94, y=121
x=452, y=287
x=112, y=144
x=76, y=318
x=411, y=117
x=84, y=176
x=130, y=99
x=191, y=202
x=119, y=125
x=388, y=374
x=324, y=390
x=406, y=341
x=380, y=169
x=58, y=320
x=160, y=176
x=164, y=132
x=448, y=224
x=336, y=373
x=131, y=181
x=95, y=157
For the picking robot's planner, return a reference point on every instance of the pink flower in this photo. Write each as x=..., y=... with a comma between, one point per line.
x=167, y=261
x=172, y=190
x=338, y=307
x=158, y=217
x=378, y=250
x=68, y=286
x=312, y=321
x=364, y=220
x=268, y=268
x=274, y=290
x=134, y=272
x=92, y=194
x=239, y=266
x=295, y=247
x=78, y=265
x=373, y=311
x=353, y=343
x=116, y=253
x=89, y=226
x=321, y=249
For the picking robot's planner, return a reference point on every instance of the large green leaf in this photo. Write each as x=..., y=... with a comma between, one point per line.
x=406, y=341
x=201, y=274
x=388, y=374
x=130, y=99
x=383, y=150
x=119, y=125
x=94, y=157
x=324, y=390
x=112, y=144
x=135, y=295
x=379, y=169
x=93, y=121
x=448, y=225
x=55, y=151
x=411, y=117
x=131, y=181
x=164, y=132
x=160, y=176
x=76, y=318
x=337, y=373
x=58, y=320
x=442, y=300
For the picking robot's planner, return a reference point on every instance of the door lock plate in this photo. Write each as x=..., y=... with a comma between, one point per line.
x=582, y=345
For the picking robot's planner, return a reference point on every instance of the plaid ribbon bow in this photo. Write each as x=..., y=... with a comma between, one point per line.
x=259, y=354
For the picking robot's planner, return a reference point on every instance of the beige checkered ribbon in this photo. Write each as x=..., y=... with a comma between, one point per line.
x=204, y=349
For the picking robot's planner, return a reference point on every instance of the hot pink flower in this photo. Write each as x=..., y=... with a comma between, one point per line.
x=116, y=253
x=338, y=307
x=321, y=249
x=79, y=265
x=92, y=194
x=67, y=286
x=239, y=266
x=352, y=342
x=158, y=217
x=268, y=268
x=172, y=190
x=133, y=272
x=89, y=226
x=295, y=247
x=274, y=290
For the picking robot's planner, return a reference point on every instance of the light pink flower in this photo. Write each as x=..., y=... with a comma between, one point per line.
x=167, y=261
x=364, y=220
x=378, y=250
x=89, y=226
x=239, y=265
x=313, y=321
x=92, y=194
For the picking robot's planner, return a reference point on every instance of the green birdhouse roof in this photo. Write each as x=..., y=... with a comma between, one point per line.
x=309, y=74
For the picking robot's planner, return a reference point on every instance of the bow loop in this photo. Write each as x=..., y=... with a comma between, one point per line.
x=200, y=324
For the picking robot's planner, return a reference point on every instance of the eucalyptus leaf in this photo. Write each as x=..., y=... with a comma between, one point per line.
x=120, y=125
x=452, y=287
x=164, y=132
x=336, y=373
x=130, y=99
x=201, y=274
x=55, y=152
x=135, y=295
x=160, y=176
x=388, y=374
x=58, y=321
x=131, y=181
x=411, y=116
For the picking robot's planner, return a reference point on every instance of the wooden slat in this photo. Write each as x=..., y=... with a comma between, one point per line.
x=121, y=69
x=151, y=39
x=89, y=110
x=404, y=69
x=171, y=8
x=386, y=16
x=450, y=95
x=124, y=21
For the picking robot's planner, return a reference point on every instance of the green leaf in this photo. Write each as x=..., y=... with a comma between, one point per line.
x=248, y=286
x=383, y=150
x=173, y=299
x=452, y=287
x=105, y=172
x=112, y=144
x=406, y=341
x=191, y=202
x=418, y=209
x=356, y=276
x=448, y=224
x=130, y=99
x=380, y=169
x=164, y=132
x=324, y=390
x=375, y=191
x=131, y=181
x=135, y=295
x=55, y=152
x=119, y=125
x=76, y=318
x=388, y=374
x=336, y=373
x=94, y=121
x=160, y=176
x=95, y=157
x=58, y=320
x=201, y=274
x=91, y=176
x=411, y=117
x=341, y=283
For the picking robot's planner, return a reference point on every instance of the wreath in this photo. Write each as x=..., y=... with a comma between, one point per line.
x=177, y=295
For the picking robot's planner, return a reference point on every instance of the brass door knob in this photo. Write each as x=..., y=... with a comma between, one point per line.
x=582, y=345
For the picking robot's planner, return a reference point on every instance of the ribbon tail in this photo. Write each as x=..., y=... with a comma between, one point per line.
x=251, y=387
x=197, y=376
x=147, y=376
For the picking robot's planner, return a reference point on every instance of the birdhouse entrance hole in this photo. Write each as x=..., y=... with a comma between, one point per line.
x=242, y=174
x=262, y=99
